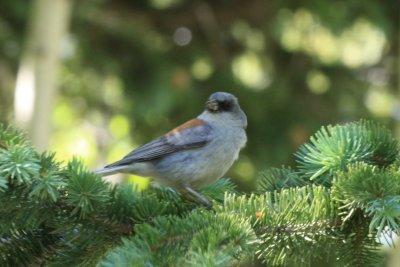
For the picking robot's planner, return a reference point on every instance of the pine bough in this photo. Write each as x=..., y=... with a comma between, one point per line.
x=332, y=209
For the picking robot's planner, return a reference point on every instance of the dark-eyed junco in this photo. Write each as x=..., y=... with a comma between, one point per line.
x=193, y=154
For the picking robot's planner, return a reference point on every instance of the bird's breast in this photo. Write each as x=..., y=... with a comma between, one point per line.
x=228, y=143
x=219, y=155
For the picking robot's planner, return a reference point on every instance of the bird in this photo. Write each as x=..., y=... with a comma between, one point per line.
x=194, y=154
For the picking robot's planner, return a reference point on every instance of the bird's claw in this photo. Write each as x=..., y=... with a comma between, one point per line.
x=196, y=196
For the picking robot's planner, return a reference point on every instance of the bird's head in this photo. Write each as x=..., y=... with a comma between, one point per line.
x=226, y=106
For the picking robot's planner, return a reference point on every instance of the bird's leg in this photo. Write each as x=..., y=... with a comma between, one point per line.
x=196, y=196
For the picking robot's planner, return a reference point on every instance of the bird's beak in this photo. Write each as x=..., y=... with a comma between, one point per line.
x=212, y=105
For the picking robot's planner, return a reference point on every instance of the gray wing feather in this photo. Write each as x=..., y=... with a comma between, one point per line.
x=187, y=139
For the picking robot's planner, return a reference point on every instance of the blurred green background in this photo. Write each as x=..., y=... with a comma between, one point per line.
x=128, y=71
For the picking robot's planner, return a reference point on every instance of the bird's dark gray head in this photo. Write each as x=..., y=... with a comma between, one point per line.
x=222, y=102
x=225, y=107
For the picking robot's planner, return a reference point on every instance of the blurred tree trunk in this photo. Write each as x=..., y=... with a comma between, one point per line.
x=6, y=89
x=37, y=75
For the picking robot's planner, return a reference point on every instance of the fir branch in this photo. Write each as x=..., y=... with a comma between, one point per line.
x=217, y=190
x=373, y=190
x=333, y=148
x=69, y=216
x=385, y=214
x=277, y=179
x=357, y=246
x=176, y=241
x=18, y=165
x=287, y=221
x=11, y=136
x=86, y=191
x=49, y=182
x=26, y=248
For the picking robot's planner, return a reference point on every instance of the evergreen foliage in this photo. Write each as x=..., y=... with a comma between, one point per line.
x=333, y=148
x=275, y=179
x=344, y=194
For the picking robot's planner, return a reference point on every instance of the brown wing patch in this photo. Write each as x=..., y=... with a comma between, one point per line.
x=189, y=124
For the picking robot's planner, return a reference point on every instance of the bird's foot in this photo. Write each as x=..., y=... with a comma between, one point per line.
x=190, y=193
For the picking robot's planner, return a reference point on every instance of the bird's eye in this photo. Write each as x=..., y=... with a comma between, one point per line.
x=212, y=106
x=225, y=105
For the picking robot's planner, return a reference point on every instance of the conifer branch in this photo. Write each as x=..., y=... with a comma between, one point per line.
x=345, y=194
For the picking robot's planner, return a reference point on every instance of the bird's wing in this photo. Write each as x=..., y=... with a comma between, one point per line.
x=192, y=134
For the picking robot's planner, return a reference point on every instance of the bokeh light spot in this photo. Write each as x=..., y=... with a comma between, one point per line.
x=318, y=82
x=363, y=44
x=113, y=91
x=119, y=126
x=77, y=141
x=249, y=69
x=202, y=69
x=380, y=102
x=63, y=115
x=164, y=4
x=252, y=38
x=360, y=44
x=180, y=79
x=182, y=36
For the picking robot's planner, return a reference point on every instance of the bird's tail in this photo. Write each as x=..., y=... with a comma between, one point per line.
x=109, y=170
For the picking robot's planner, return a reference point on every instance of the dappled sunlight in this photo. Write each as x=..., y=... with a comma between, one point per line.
x=202, y=68
x=119, y=126
x=380, y=102
x=64, y=116
x=113, y=90
x=252, y=38
x=164, y=4
x=77, y=142
x=252, y=71
x=361, y=44
x=318, y=82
